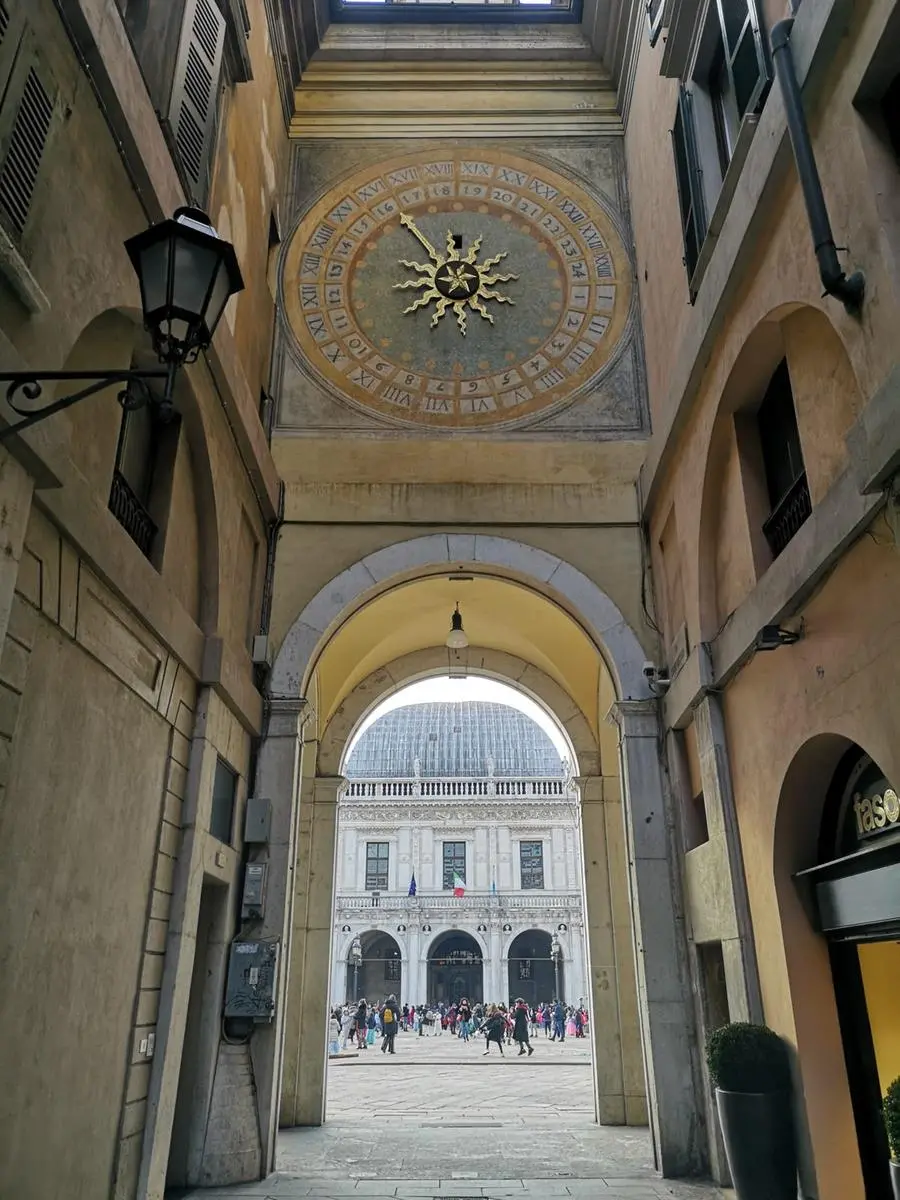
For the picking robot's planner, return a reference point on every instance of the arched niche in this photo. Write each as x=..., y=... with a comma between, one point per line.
x=184, y=510
x=732, y=550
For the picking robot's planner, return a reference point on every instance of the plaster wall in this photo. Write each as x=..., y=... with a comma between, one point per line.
x=80, y=827
x=106, y=751
x=839, y=680
x=781, y=268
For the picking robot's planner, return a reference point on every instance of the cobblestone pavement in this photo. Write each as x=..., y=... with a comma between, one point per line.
x=441, y=1120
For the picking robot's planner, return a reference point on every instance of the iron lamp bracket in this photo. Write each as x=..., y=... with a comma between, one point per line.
x=25, y=389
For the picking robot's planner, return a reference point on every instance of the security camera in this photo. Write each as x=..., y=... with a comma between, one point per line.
x=657, y=678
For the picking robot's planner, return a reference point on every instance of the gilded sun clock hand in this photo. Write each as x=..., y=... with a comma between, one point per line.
x=454, y=280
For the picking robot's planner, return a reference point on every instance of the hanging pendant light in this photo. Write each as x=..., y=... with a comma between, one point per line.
x=456, y=638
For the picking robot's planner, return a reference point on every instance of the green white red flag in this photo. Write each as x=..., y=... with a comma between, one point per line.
x=459, y=886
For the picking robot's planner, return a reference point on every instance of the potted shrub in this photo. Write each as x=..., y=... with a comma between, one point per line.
x=751, y=1072
x=891, y=1110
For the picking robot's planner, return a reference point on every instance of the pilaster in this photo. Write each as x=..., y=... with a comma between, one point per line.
x=664, y=993
x=604, y=1024
x=738, y=950
x=305, y=1053
x=277, y=780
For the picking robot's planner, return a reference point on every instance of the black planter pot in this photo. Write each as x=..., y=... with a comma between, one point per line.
x=895, y=1178
x=758, y=1130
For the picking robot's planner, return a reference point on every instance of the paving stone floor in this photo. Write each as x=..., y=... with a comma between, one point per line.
x=441, y=1120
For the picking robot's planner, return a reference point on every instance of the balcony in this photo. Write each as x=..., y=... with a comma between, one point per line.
x=425, y=903
x=469, y=789
x=789, y=514
x=131, y=514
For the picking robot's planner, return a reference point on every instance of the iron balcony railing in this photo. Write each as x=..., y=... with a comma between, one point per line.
x=131, y=514
x=789, y=514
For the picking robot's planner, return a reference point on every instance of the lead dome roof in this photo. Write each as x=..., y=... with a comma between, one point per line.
x=456, y=739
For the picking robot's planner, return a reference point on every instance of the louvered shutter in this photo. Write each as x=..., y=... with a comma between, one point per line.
x=26, y=121
x=195, y=93
x=12, y=26
x=745, y=53
x=687, y=174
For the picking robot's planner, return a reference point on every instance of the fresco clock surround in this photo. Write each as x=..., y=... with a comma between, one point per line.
x=542, y=308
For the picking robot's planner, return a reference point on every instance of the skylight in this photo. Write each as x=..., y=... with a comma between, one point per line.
x=456, y=10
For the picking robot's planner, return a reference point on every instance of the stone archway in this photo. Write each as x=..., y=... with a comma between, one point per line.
x=377, y=972
x=531, y=972
x=455, y=969
x=303, y=921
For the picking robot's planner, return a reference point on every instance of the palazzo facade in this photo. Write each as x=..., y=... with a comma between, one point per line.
x=472, y=791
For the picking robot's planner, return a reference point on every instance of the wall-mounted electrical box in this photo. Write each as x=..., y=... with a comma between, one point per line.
x=252, y=979
x=258, y=820
x=253, y=901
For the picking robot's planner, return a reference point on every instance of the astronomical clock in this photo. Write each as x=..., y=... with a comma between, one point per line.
x=459, y=290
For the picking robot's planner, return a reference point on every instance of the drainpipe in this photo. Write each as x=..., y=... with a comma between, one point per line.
x=848, y=289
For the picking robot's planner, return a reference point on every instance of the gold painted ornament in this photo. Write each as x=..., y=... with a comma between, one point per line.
x=454, y=280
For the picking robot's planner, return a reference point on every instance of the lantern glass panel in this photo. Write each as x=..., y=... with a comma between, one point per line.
x=195, y=269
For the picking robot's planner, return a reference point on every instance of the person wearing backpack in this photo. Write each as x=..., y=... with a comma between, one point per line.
x=389, y=1020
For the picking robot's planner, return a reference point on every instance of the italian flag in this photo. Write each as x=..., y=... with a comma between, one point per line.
x=459, y=886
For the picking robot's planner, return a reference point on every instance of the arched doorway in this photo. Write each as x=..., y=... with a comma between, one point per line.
x=455, y=969
x=855, y=903
x=532, y=610
x=376, y=971
x=531, y=970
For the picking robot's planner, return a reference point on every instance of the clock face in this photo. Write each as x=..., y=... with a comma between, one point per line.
x=457, y=292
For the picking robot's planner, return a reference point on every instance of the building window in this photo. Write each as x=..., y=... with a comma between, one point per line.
x=782, y=461
x=654, y=19
x=726, y=82
x=133, y=475
x=531, y=863
x=890, y=112
x=392, y=969
x=221, y=819
x=454, y=862
x=689, y=181
x=377, y=854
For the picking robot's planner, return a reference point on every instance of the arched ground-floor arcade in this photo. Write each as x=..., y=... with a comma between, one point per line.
x=476, y=958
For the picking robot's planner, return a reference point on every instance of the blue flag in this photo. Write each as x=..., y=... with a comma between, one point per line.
x=412, y=885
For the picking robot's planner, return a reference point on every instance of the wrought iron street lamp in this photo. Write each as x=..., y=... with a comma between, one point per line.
x=555, y=953
x=356, y=955
x=187, y=274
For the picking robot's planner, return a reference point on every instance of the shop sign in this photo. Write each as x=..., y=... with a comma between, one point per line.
x=875, y=813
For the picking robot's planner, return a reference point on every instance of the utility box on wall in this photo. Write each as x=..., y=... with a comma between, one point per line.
x=258, y=819
x=252, y=978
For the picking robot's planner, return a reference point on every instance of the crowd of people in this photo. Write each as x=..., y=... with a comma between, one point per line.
x=362, y=1025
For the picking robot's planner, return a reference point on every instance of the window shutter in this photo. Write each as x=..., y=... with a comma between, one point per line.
x=26, y=121
x=195, y=93
x=687, y=174
x=654, y=19
x=745, y=53
x=12, y=26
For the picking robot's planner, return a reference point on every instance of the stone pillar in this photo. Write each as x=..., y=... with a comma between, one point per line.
x=738, y=951
x=414, y=984
x=494, y=984
x=306, y=1040
x=664, y=995
x=277, y=780
x=604, y=985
